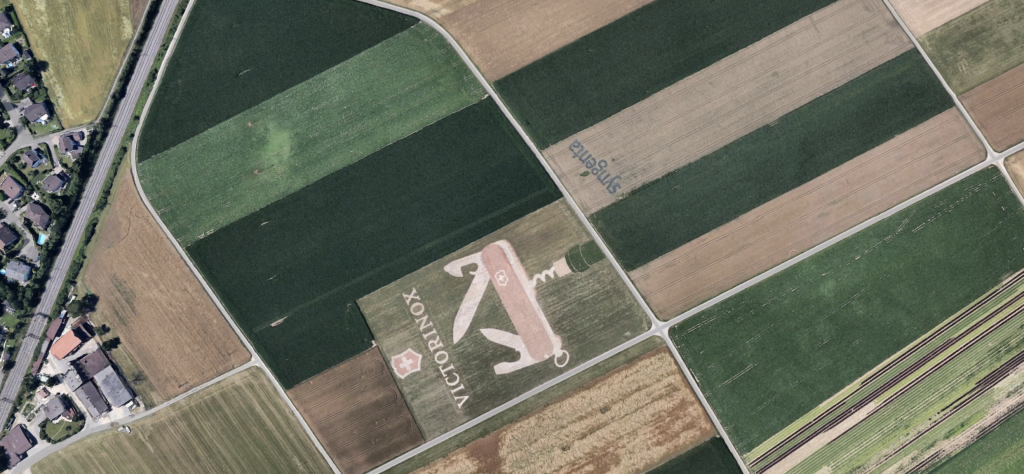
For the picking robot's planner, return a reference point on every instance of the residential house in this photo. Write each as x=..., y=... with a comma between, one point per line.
x=6, y=25
x=17, y=443
x=18, y=271
x=7, y=235
x=113, y=388
x=91, y=364
x=73, y=380
x=37, y=113
x=70, y=144
x=67, y=344
x=37, y=214
x=54, y=182
x=56, y=409
x=11, y=188
x=33, y=157
x=24, y=82
x=9, y=55
x=90, y=396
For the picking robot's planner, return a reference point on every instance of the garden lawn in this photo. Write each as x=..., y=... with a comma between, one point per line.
x=639, y=54
x=290, y=273
x=234, y=54
x=666, y=213
x=307, y=132
x=775, y=351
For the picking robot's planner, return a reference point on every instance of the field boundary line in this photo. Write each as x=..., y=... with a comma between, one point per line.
x=657, y=328
x=956, y=100
x=255, y=357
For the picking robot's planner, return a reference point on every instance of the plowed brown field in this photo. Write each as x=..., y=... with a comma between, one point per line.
x=501, y=36
x=357, y=412
x=998, y=108
x=810, y=214
x=733, y=97
x=636, y=417
x=149, y=297
x=922, y=16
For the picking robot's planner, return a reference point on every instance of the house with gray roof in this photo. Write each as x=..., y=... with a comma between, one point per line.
x=113, y=388
x=54, y=182
x=33, y=157
x=11, y=188
x=18, y=271
x=37, y=214
x=90, y=396
x=9, y=55
x=73, y=380
x=24, y=82
x=56, y=409
x=91, y=364
x=70, y=144
x=38, y=113
x=7, y=235
x=17, y=442
x=6, y=25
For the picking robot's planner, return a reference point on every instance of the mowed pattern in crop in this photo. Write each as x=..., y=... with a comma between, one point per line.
x=307, y=132
x=83, y=44
x=729, y=99
x=239, y=425
x=232, y=55
x=773, y=352
x=917, y=403
x=634, y=57
x=291, y=272
x=774, y=159
x=979, y=45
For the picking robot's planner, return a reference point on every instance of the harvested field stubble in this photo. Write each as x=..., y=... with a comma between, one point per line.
x=502, y=37
x=978, y=46
x=808, y=215
x=922, y=16
x=773, y=352
x=636, y=56
x=290, y=273
x=728, y=100
x=233, y=54
x=1015, y=168
x=628, y=421
x=152, y=300
x=998, y=108
x=802, y=145
x=357, y=412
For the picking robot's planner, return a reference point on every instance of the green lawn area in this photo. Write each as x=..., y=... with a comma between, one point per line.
x=998, y=452
x=683, y=205
x=239, y=425
x=64, y=429
x=711, y=457
x=307, y=132
x=773, y=352
x=43, y=129
x=234, y=54
x=639, y=54
x=306, y=258
x=979, y=45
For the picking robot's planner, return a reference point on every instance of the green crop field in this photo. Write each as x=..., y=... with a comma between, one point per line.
x=589, y=310
x=307, y=132
x=804, y=144
x=773, y=352
x=979, y=45
x=630, y=59
x=998, y=452
x=291, y=272
x=712, y=457
x=925, y=398
x=234, y=54
x=238, y=425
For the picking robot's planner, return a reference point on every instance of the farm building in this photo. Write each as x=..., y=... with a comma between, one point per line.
x=67, y=344
x=6, y=25
x=70, y=144
x=51, y=332
x=24, y=82
x=38, y=215
x=91, y=398
x=113, y=388
x=54, y=182
x=7, y=235
x=73, y=379
x=9, y=55
x=33, y=158
x=11, y=188
x=18, y=271
x=37, y=113
x=92, y=364
x=17, y=443
x=57, y=408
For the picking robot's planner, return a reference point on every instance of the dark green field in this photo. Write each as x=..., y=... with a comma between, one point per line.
x=712, y=457
x=632, y=58
x=310, y=255
x=804, y=144
x=775, y=351
x=998, y=452
x=234, y=54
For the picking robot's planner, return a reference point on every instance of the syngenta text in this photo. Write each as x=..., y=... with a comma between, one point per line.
x=597, y=168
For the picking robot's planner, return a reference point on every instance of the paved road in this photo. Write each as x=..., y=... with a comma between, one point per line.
x=85, y=207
